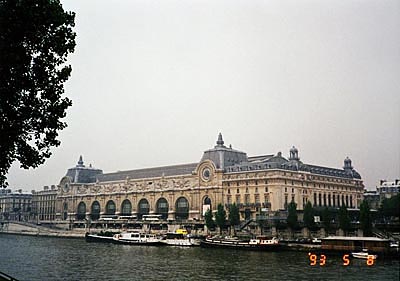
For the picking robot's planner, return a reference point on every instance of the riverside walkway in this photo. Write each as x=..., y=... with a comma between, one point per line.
x=37, y=230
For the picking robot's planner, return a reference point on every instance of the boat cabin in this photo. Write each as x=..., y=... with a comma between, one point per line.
x=346, y=244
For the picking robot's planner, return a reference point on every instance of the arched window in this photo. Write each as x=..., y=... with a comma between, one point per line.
x=110, y=208
x=95, y=210
x=143, y=208
x=182, y=209
x=126, y=208
x=207, y=204
x=81, y=214
x=162, y=208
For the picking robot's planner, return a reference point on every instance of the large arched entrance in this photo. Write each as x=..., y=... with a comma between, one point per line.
x=126, y=208
x=143, y=208
x=181, y=209
x=95, y=211
x=206, y=205
x=162, y=208
x=81, y=213
x=65, y=211
x=110, y=208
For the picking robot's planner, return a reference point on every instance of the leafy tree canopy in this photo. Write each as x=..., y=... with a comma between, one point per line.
x=391, y=207
x=234, y=216
x=292, y=215
x=326, y=218
x=308, y=216
x=220, y=217
x=344, y=218
x=208, y=217
x=365, y=218
x=35, y=38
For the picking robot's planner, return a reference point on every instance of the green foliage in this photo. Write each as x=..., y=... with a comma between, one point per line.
x=326, y=218
x=208, y=217
x=344, y=219
x=391, y=207
x=234, y=217
x=292, y=215
x=220, y=217
x=36, y=37
x=365, y=218
x=308, y=216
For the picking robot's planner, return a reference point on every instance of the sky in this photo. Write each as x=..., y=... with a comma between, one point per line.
x=154, y=82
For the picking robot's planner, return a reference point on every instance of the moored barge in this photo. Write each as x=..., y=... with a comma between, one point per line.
x=256, y=244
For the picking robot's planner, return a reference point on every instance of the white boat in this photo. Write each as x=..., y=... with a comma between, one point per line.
x=258, y=244
x=179, y=239
x=363, y=255
x=137, y=238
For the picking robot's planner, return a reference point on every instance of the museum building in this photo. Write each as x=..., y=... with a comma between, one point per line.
x=265, y=183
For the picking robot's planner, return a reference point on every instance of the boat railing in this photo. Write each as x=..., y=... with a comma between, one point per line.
x=6, y=277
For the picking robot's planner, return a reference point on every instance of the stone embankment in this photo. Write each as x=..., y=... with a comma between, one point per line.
x=36, y=230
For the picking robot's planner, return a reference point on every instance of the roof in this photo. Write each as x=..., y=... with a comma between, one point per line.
x=355, y=238
x=174, y=170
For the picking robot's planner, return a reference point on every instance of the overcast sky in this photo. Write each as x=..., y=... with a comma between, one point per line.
x=154, y=82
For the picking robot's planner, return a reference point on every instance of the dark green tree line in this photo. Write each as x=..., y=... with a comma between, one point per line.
x=234, y=216
x=220, y=217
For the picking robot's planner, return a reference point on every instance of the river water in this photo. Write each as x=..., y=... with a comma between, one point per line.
x=42, y=258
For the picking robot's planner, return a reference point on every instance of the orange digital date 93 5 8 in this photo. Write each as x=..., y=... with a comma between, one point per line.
x=314, y=260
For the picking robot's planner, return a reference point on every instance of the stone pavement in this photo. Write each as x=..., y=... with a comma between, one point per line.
x=36, y=230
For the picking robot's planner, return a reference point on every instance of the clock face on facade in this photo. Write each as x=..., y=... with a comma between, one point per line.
x=66, y=187
x=206, y=174
x=64, y=184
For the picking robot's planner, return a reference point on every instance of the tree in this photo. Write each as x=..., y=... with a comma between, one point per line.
x=344, y=219
x=390, y=207
x=326, y=218
x=308, y=216
x=208, y=217
x=234, y=217
x=220, y=217
x=365, y=218
x=292, y=215
x=35, y=38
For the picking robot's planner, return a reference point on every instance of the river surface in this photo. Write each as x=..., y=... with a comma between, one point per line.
x=42, y=258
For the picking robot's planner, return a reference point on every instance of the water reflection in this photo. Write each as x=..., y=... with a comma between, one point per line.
x=39, y=258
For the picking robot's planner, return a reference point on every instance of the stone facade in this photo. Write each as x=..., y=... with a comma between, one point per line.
x=44, y=203
x=15, y=206
x=264, y=183
x=388, y=189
